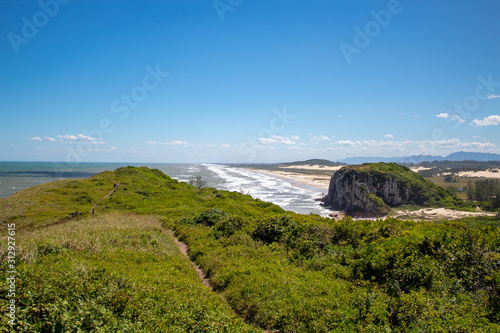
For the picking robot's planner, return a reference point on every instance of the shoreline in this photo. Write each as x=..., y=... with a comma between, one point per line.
x=322, y=182
x=318, y=181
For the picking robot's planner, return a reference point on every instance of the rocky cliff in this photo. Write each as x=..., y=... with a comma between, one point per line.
x=375, y=187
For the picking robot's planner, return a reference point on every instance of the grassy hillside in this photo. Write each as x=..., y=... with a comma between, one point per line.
x=141, y=190
x=306, y=274
x=112, y=273
x=54, y=201
x=118, y=270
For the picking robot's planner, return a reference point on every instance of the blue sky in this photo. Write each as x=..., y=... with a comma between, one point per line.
x=247, y=80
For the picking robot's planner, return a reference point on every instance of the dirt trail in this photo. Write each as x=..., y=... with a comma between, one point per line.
x=92, y=210
x=184, y=250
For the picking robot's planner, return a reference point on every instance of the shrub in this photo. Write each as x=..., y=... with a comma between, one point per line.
x=272, y=229
x=227, y=226
x=210, y=217
x=198, y=181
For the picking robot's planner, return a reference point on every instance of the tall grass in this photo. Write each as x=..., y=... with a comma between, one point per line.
x=111, y=273
x=118, y=270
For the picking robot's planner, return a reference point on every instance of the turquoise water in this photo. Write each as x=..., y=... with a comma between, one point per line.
x=290, y=195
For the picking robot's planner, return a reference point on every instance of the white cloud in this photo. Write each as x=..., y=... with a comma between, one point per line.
x=177, y=143
x=323, y=138
x=478, y=145
x=390, y=136
x=264, y=147
x=409, y=147
x=289, y=140
x=454, y=117
x=345, y=143
x=78, y=137
x=488, y=121
x=493, y=96
x=67, y=137
x=169, y=143
x=70, y=138
x=107, y=150
x=267, y=140
x=320, y=138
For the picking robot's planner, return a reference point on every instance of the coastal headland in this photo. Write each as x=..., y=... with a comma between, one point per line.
x=318, y=173
x=135, y=248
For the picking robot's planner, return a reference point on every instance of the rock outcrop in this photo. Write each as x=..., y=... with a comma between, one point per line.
x=375, y=187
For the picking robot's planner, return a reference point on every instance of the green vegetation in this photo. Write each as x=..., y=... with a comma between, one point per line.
x=198, y=181
x=457, y=187
x=118, y=270
x=295, y=273
x=47, y=203
x=422, y=192
x=112, y=273
x=487, y=191
x=380, y=205
x=141, y=190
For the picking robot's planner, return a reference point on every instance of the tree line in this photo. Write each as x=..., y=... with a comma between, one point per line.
x=485, y=190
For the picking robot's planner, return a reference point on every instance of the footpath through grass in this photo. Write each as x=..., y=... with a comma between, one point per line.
x=111, y=273
x=282, y=271
x=294, y=273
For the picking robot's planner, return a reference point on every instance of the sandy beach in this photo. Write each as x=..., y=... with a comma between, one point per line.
x=322, y=181
x=319, y=180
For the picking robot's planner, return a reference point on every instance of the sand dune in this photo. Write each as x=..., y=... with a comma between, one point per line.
x=437, y=214
x=314, y=167
x=318, y=181
x=492, y=173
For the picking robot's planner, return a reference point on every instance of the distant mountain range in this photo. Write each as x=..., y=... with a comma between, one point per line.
x=415, y=159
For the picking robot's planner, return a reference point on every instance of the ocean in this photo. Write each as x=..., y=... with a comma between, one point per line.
x=288, y=194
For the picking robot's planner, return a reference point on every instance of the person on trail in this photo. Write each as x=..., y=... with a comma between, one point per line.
x=93, y=211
